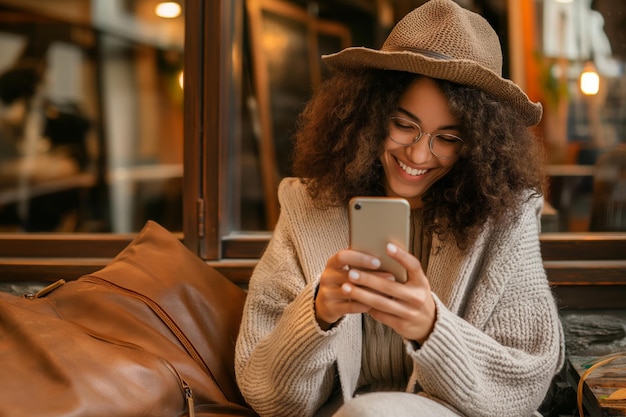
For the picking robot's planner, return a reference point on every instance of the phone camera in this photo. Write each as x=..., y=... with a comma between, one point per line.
x=357, y=206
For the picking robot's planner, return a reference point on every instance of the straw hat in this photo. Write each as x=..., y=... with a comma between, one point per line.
x=440, y=39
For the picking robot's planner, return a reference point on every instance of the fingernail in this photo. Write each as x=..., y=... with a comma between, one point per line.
x=346, y=288
x=376, y=262
x=353, y=275
x=392, y=248
x=391, y=278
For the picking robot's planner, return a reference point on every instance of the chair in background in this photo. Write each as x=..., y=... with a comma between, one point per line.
x=608, y=207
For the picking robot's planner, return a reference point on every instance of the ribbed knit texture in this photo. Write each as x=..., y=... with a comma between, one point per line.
x=495, y=347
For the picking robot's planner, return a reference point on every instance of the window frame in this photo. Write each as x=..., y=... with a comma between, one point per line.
x=209, y=174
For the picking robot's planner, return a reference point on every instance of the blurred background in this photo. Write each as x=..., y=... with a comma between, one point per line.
x=91, y=104
x=90, y=115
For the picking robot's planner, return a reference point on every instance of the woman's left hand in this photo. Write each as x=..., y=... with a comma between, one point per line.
x=408, y=308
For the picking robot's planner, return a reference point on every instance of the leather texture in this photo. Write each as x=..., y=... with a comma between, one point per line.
x=151, y=334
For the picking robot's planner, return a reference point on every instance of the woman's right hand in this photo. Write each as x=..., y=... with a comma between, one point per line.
x=332, y=302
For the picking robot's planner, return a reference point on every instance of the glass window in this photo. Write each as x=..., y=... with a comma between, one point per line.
x=581, y=54
x=91, y=121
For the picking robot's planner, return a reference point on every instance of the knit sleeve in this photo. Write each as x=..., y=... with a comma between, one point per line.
x=284, y=362
x=499, y=358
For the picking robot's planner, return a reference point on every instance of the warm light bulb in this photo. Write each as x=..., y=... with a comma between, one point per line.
x=589, y=81
x=181, y=79
x=168, y=9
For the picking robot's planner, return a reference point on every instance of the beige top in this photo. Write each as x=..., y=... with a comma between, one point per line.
x=385, y=364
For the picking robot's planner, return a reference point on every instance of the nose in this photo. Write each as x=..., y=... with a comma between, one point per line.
x=419, y=153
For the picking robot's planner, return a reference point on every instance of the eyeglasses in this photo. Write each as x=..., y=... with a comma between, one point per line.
x=406, y=132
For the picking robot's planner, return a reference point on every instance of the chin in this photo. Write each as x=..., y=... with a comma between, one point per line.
x=410, y=193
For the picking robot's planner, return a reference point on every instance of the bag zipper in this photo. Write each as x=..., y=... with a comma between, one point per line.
x=45, y=291
x=182, y=338
x=187, y=393
x=183, y=385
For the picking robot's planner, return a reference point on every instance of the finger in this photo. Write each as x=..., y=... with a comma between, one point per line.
x=415, y=273
x=337, y=261
x=369, y=294
x=418, y=329
x=351, y=305
x=356, y=259
x=336, y=270
x=332, y=304
x=333, y=300
x=375, y=281
x=411, y=314
x=381, y=292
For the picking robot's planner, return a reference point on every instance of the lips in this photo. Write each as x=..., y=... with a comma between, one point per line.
x=414, y=172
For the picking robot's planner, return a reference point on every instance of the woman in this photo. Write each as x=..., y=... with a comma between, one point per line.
x=474, y=331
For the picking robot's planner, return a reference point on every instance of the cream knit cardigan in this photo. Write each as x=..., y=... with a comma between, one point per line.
x=495, y=347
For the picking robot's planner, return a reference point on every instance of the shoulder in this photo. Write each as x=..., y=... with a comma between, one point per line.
x=291, y=187
x=531, y=206
x=299, y=208
x=293, y=195
x=524, y=224
x=316, y=233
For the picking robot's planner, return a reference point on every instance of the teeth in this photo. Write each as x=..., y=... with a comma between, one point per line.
x=412, y=171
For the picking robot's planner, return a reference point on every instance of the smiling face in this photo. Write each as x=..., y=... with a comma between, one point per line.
x=411, y=170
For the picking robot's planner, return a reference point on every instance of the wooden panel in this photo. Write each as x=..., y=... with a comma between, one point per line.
x=554, y=246
x=587, y=272
x=578, y=246
x=245, y=246
x=47, y=270
x=237, y=271
x=55, y=245
x=557, y=246
x=583, y=297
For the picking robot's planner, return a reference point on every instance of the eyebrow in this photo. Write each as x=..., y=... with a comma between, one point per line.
x=416, y=119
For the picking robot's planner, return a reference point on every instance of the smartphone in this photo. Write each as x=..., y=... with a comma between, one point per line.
x=376, y=221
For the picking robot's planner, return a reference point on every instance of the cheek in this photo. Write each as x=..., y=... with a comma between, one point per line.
x=386, y=149
x=446, y=167
x=386, y=146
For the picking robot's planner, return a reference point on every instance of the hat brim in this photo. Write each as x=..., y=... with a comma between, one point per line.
x=458, y=71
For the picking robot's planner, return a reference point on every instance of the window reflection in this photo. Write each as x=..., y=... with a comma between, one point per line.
x=141, y=105
x=90, y=116
x=282, y=66
x=563, y=39
x=581, y=45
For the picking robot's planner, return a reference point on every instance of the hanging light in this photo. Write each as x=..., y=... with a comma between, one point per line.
x=168, y=9
x=589, y=80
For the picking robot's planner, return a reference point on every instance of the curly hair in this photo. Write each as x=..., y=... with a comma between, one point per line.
x=341, y=133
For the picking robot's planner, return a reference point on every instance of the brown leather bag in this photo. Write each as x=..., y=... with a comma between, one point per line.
x=151, y=334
